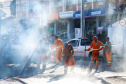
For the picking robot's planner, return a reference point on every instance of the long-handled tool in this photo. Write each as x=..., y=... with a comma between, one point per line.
x=56, y=67
x=29, y=60
x=85, y=57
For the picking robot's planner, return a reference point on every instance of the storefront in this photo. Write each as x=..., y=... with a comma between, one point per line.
x=52, y=22
x=66, y=23
x=94, y=19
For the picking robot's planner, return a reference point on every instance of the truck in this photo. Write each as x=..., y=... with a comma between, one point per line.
x=79, y=47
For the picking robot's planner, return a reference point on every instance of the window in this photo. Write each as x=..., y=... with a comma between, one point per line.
x=100, y=3
x=79, y=1
x=45, y=4
x=58, y=2
x=85, y=5
x=70, y=2
x=74, y=43
x=83, y=41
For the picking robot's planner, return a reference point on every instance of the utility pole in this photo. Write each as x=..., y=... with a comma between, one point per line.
x=29, y=8
x=106, y=15
x=0, y=34
x=83, y=32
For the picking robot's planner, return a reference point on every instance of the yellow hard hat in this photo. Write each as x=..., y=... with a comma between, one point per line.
x=4, y=38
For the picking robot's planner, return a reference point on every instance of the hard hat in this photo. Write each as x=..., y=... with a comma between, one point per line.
x=94, y=37
x=44, y=37
x=65, y=44
x=56, y=36
x=4, y=38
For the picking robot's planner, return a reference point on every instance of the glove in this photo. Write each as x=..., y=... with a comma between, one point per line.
x=99, y=49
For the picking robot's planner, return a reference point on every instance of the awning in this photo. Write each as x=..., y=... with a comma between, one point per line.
x=66, y=15
x=90, y=13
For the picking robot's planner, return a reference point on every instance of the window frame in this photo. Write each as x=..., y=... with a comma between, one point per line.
x=86, y=43
x=77, y=43
x=71, y=2
x=57, y=4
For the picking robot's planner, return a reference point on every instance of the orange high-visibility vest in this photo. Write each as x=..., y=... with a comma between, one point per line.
x=58, y=44
x=96, y=47
x=68, y=51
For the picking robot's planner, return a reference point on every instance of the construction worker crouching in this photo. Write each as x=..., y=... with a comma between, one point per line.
x=43, y=49
x=95, y=45
x=58, y=44
x=67, y=54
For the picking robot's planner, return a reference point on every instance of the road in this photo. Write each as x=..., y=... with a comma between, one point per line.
x=10, y=74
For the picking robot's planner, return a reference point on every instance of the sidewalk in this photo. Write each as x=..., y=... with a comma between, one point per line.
x=112, y=77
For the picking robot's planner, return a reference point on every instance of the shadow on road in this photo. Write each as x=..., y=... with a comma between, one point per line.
x=51, y=67
x=56, y=78
x=14, y=70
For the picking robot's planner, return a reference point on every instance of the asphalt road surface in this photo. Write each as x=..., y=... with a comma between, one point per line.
x=10, y=74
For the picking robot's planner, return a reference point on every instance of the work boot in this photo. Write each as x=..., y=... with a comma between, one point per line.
x=108, y=67
x=96, y=70
x=72, y=68
x=38, y=66
x=44, y=67
x=65, y=70
x=89, y=71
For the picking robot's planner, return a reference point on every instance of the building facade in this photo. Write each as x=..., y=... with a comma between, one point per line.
x=96, y=11
x=68, y=16
x=5, y=7
x=62, y=17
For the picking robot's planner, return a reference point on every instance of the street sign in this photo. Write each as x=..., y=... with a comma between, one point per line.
x=122, y=22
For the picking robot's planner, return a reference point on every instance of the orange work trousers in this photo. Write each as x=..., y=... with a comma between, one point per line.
x=108, y=57
x=42, y=58
x=58, y=55
x=68, y=61
x=93, y=58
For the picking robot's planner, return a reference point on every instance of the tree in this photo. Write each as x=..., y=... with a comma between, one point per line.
x=13, y=8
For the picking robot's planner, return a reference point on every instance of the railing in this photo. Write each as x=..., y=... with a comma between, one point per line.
x=62, y=35
x=71, y=35
x=66, y=37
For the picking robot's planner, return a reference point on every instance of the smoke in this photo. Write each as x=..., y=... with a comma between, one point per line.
x=23, y=41
x=117, y=37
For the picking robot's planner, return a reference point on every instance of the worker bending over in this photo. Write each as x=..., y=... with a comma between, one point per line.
x=67, y=54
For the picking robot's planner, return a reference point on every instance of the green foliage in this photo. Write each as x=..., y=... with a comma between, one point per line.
x=87, y=35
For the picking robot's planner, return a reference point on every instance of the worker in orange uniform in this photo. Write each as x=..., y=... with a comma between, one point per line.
x=67, y=54
x=58, y=44
x=95, y=45
x=108, y=51
x=42, y=50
